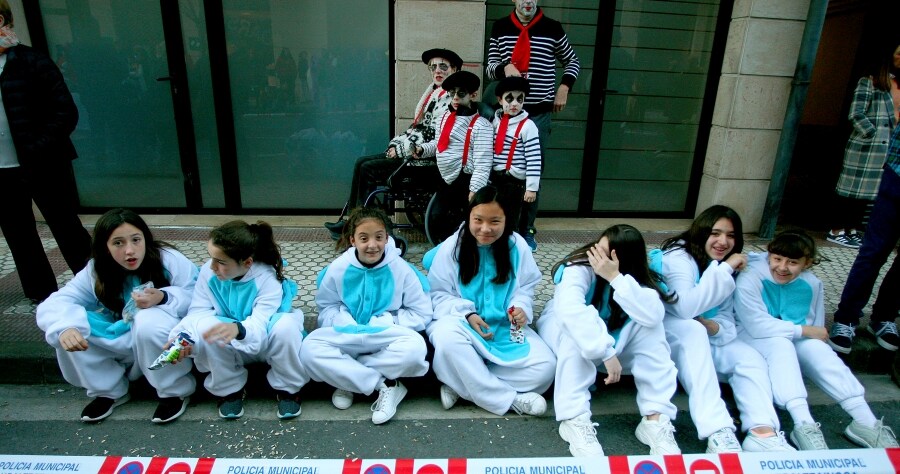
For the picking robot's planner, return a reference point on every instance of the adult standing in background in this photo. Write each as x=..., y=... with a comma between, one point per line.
x=874, y=114
x=36, y=154
x=527, y=43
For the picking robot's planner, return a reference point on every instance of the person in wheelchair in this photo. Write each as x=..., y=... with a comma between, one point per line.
x=369, y=171
x=464, y=154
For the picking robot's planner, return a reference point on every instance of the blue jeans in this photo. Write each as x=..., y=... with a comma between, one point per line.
x=881, y=238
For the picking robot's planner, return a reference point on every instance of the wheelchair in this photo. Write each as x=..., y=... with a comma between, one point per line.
x=412, y=190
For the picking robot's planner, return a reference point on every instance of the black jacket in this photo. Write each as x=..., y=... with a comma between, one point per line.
x=39, y=107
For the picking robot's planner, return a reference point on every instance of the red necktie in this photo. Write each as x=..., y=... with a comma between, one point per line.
x=501, y=134
x=521, y=55
x=444, y=141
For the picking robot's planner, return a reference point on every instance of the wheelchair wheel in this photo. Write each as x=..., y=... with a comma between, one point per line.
x=440, y=223
x=401, y=243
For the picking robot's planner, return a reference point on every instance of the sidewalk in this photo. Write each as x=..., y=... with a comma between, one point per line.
x=28, y=359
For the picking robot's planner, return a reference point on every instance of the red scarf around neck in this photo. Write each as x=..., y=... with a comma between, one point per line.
x=521, y=54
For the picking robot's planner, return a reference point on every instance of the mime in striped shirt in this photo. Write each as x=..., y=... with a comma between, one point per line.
x=464, y=155
x=516, y=169
x=528, y=44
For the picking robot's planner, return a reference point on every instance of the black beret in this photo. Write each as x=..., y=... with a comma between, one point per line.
x=464, y=80
x=512, y=83
x=454, y=58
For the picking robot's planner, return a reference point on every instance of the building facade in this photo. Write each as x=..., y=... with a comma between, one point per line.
x=237, y=107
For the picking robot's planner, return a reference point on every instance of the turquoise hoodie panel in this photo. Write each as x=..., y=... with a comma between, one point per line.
x=655, y=257
x=367, y=291
x=106, y=324
x=492, y=302
x=790, y=302
x=428, y=258
x=235, y=298
x=288, y=290
x=422, y=278
x=604, y=312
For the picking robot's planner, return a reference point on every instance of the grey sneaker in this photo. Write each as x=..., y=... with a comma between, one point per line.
x=880, y=436
x=658, y=434
x=808, y=437
x=581, y=435
x=755, y=444
x=723, y=441
x=529, y=403
x=448, y=397
x=342, y=399
x=842, y=239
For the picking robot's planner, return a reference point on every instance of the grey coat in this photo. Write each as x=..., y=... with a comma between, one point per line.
x=872, y=116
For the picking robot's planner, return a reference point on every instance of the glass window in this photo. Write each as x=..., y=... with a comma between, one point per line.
x=310, y=88
x=111, y=53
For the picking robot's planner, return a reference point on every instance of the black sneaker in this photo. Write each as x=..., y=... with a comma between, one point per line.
x=841, y=339
x=336, y=228
x=101, y=407
x=288, y=404
x=231, y=407
x=842, y=239
x=169, y=408
x=886, y=334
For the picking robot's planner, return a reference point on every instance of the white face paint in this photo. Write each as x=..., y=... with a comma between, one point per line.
x=512, y=102
x=459, y=97
x=525, y=9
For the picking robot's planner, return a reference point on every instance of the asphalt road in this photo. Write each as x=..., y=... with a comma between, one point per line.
x=42, y=419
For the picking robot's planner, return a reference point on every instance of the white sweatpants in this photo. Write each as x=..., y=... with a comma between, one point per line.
x=225, y=364
x=479, y=377
x=105, y=368
x=693, y=358
x=746, y=371
x=643, y=353
x=360, y=362
x=789, y=361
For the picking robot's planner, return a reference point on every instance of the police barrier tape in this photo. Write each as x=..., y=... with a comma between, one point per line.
x=847, y=461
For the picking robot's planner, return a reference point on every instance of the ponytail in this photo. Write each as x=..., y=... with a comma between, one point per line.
x=240, y=241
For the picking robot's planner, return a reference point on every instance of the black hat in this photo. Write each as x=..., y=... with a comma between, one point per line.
x=454, y=58
x=512, y=83
x=464, y=80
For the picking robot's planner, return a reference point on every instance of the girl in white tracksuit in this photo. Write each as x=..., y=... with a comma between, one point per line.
x=780, y=310
x=100, y=350
x=372, y=304
x=607, y=309
x=700, y=329
x=482, y=288
x=241, y=313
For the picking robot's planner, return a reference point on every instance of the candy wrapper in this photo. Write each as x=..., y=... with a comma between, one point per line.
x=516, y=334
x=131, y=308
x=171, y=354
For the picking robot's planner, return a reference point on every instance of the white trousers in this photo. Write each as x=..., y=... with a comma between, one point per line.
x=491, y=384
x=692, y=356
x=746, y=371
x=225, y=364
x=789, y=361
x=106, y=367
x=360, y=362
x=643, y=353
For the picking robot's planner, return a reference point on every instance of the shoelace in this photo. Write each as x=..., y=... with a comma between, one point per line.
x=813, y=433
x=889, y=327
x=782, y=440
x=885, y=432
x=587, y=431
x=846, y=330
x=666, y=431
x=382, y=395
x=520, y=405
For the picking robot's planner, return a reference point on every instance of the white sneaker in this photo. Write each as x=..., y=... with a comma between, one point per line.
x=581, y=435
x=386, y=406
x=880, y=436
x=753, y=443
x=809, y=437
x=529, y=403
x=448, y=397
x=342, y=399
x=658, y=434
x=723, y=441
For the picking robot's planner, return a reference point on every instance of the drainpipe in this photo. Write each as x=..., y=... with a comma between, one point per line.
x=815, y=19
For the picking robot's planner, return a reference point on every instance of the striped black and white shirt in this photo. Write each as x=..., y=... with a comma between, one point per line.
x=481, y=153
x=548, y=43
